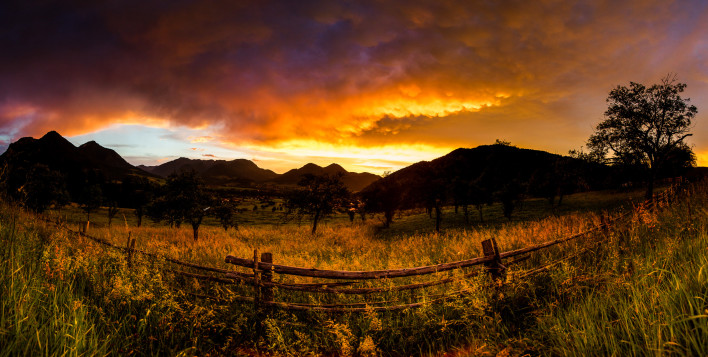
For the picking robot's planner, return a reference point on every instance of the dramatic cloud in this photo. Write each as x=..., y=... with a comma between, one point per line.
x=339, y=76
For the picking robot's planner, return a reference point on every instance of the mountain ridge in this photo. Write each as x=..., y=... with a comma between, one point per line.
x=59, y=154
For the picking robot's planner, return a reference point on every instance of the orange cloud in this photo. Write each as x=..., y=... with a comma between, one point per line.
x=418, y=77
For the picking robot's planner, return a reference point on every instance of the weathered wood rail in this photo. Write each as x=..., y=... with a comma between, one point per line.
x=263, y=269
x=493, y=260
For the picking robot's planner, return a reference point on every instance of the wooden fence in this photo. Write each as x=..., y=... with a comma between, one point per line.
x=262, y=268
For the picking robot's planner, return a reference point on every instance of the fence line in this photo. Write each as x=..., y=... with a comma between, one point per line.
x=492, y=260
x=263, y=268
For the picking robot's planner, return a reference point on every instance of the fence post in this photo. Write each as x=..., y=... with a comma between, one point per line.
x=256, y=280
x=688, y=203
x=655, y=202
x=604, y=226
x=267, y=291
x=495, y=267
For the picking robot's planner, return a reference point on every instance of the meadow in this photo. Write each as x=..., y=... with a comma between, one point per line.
x=640, y=289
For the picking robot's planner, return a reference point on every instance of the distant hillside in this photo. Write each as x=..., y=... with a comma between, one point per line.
x=89, y=162
x=491, y=167
x=238, y=171
x=352, y=180
x=244, y=172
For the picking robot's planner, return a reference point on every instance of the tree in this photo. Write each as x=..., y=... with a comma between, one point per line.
x=319, y=196
x=91, y=199
x=112, y=194
x=43, y=188
x=112, y=211
x=385, y=197
x=184, y=200
x=479, y=197
x=225, y=212
x=511, y=197
x=137, y=194
x=644, y=124
x=461, y=194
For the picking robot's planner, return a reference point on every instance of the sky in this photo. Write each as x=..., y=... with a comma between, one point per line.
x=371, y=85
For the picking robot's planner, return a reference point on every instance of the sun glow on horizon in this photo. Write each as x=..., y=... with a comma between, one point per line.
x=374, y=159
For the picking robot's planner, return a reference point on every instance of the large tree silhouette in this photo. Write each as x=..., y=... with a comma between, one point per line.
x=184, y=200
x=319, y=196
x=43, y=188
x=384, y=197
x=645, y=124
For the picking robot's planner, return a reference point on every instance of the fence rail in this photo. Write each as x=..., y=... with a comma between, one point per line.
x=263, y=268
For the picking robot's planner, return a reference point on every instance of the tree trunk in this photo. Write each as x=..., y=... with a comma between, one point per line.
x=388, y=218
x=438, y=216
x=139, y=214
x=481, y=219
x=314, y=221
x=195, y=229
x=650, y=184
x=466, y=211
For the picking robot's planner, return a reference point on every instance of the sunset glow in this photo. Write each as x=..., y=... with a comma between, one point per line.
x=371, y=86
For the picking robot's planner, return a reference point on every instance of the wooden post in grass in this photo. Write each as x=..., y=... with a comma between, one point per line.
x=655, y=202
x=604, y=223
x=267, y=291
x=688, y=203
x=495, y=267
x=256, y=280
x=129, y=248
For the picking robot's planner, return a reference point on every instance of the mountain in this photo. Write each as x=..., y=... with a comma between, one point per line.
x=108, y=160
x=86, y=164
x=179, y=165
x=239, y=171
x=494, y=167
x=57, y=153
x=244, y=172
x=352, y=180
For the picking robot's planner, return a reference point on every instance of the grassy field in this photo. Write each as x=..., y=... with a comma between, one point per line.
x=641, y=292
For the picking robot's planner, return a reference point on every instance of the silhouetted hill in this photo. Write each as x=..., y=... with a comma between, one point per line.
x=493, y=167
x=244, y=172
x=59, y=154
x=237, y=170
x=352, y=180
x=180, y=165
x=107, y=160
x=90, y=163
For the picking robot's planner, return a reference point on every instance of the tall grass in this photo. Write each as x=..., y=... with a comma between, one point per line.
x=641, y=291
x=654, y=299
x=37, y=316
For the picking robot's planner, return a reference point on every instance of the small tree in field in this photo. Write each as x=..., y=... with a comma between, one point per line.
x=319, y=197
x=184, y=200
x=225, y=212
x=112, y=211
x=91, y=199
x=385, y=197
x=644, y=124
